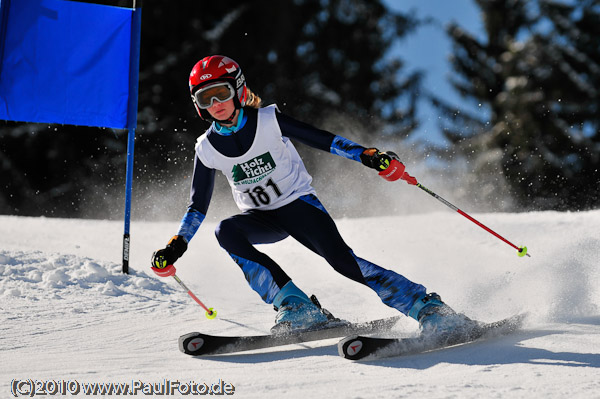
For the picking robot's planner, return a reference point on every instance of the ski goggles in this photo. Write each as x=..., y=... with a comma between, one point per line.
x=219, y=91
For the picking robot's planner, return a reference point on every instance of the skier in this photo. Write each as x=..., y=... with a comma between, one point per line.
x=251, y=146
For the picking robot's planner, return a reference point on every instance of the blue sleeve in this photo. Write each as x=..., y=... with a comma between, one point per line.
x=318, y=138
x=203, y=183
x=190, y=223
x=346, y=148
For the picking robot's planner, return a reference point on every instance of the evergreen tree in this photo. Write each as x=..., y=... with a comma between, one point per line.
x=537, y=74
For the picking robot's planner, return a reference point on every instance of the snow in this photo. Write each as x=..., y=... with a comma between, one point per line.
x=68, y=314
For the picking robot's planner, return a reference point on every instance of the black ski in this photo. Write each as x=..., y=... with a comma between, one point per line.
x=198, y=344
x=359, y=347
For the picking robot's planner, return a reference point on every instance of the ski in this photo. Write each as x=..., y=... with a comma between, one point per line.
x=198, y=344
x=359, y=347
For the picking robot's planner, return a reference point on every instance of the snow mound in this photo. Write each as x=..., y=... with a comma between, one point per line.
x=34, y=274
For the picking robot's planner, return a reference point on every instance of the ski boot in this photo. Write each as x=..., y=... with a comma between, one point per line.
x=295, y=311
x=440, y=321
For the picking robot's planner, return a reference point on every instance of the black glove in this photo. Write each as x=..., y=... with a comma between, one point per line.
x=373, y=158
x=173, y=251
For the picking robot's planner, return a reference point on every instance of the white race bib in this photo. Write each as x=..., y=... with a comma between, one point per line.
x=269, y=175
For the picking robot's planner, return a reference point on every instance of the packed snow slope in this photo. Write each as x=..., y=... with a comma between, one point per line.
x=68, y=314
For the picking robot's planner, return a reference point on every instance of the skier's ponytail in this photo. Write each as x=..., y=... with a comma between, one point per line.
x=253, y=100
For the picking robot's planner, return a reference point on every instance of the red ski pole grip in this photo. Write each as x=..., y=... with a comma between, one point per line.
x=394, y=171
x=409, y=179
x=166, y=272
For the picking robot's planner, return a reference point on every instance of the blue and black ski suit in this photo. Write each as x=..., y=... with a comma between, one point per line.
x=305, y=218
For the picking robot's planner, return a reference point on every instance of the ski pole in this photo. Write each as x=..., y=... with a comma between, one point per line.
x=521, y=251
x=170, y=271
x=396, y=170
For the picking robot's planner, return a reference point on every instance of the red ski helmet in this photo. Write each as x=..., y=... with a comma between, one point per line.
x=215, y=69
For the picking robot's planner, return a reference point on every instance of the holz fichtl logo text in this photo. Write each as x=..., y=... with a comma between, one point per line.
x=253, y=170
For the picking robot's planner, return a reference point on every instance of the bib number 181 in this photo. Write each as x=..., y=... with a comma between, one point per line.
x=260, y=196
